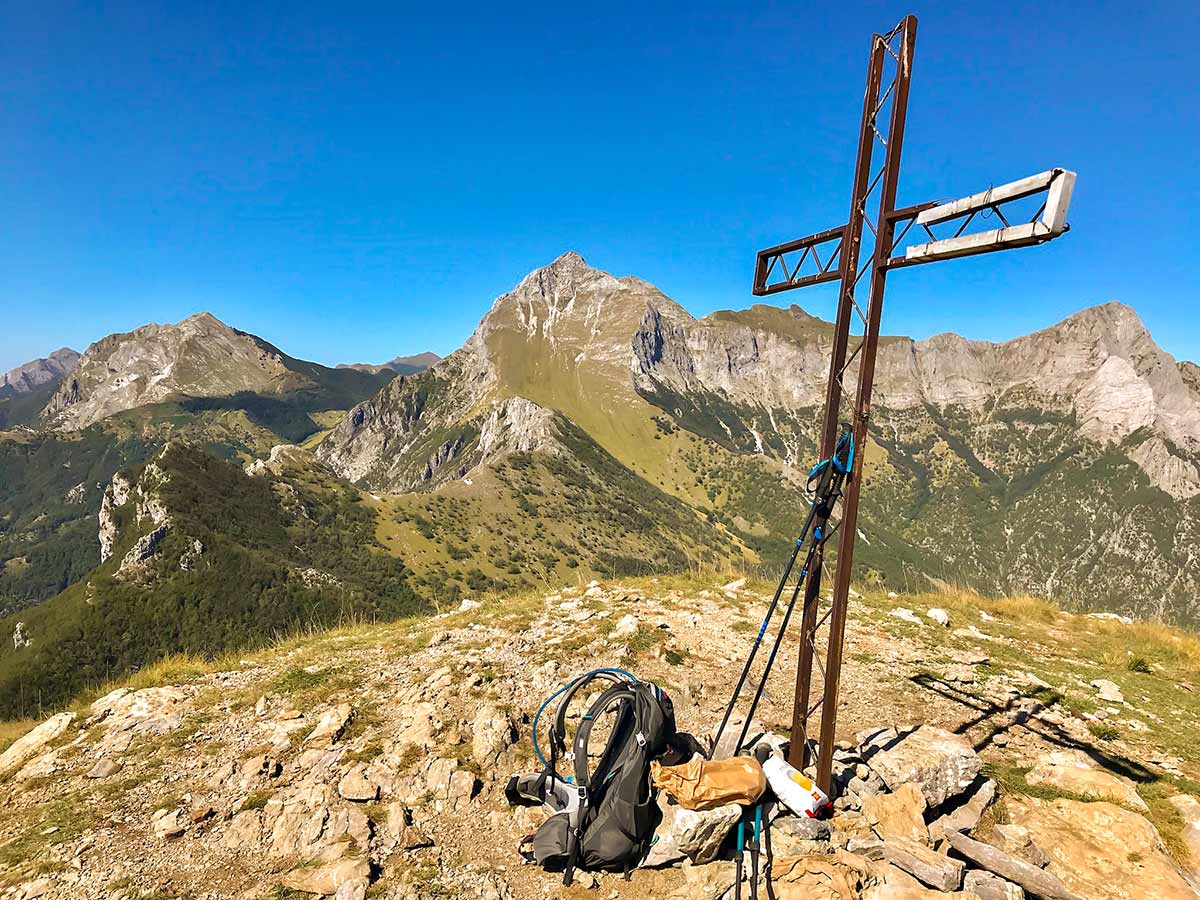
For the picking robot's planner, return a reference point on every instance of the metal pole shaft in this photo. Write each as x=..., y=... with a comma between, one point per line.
x=847, y=271
x=862, y=406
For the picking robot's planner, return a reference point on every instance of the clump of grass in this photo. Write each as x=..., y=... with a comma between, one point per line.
x=10, y=731
x=56, y=822
x=1104, y=731
x=675, y=657
x=298, y=680
x=1012, y=781
x=1138, y=663
x=258, y=800
x=644, y=639
x=1022, y=609
x=410, y=757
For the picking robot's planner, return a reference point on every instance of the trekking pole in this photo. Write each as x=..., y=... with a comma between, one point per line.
x=829, y=475
x=739, y=850
x=762, y=630
x=778, y=642
x=754, y=848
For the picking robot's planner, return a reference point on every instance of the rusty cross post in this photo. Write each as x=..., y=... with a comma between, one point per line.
x=799, y=263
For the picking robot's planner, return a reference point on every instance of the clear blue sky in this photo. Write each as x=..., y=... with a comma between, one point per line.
x=354, y=182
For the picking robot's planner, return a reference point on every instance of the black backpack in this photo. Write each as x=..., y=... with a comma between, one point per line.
x=604, y=818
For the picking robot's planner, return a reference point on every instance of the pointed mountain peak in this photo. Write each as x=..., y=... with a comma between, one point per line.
x=204, y=321
x=1112, y=312
x=569, y=260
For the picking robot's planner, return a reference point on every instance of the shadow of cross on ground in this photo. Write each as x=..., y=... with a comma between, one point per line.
x=997, y=718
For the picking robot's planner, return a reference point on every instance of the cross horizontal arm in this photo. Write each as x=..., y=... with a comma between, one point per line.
x=1048, y=222
x=782, y=268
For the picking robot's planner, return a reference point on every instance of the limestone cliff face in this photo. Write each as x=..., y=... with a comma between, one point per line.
x=198, y=357
x=579, y=341
x=1100, y=366
x=39, y=372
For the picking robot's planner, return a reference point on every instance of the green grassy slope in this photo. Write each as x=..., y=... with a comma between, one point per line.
x=278, y=553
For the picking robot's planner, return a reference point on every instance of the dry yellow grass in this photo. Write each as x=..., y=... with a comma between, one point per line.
x=13, y=729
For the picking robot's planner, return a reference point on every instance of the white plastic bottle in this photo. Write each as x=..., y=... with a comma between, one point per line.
x=793, y=788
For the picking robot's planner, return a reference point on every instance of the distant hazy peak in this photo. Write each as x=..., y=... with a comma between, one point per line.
x=28, y=376
x=401, y=365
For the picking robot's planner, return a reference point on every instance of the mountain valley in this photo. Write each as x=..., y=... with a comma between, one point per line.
x=589, y=427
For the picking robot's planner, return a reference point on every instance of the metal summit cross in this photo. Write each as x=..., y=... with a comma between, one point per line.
x=833, y=255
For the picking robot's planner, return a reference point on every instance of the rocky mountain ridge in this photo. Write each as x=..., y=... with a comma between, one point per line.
x=25, y=378
x=401, y=365
x=200, y=357
x=721, y=411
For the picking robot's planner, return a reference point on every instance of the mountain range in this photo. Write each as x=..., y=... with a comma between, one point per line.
x=401, y=365
x=192, y=487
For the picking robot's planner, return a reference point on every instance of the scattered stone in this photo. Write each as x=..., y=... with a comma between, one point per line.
x=492, y=734
x=960, y=673
x=330, y=726
x=467, y=605
x=1016, y=840
x=925, y=864
x=31, y=744
x=940, y=616
x=31, y=890
x=903, y=612
x=168, y=823
x=104, y=768
x=987, y=886
x=898, y=815
x=964, y=812
x=802, y=827
x=1075, y=773
x=985, y=617
x=1108, y=691
x=1032, y=879
x=329, y=877
x=626, y=626
x=357, y=787
x=699, y=834
x=941, y=763
x=734, y=586
x=1111, y=617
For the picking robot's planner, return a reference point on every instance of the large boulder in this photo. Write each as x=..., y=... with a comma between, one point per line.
x=31, y=744
x=699, y=834
x=1100, y=850
x=899, y=814
x=1075, y=773
x=942, y=764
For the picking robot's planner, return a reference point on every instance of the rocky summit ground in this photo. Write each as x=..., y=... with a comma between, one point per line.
x=985, y=744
